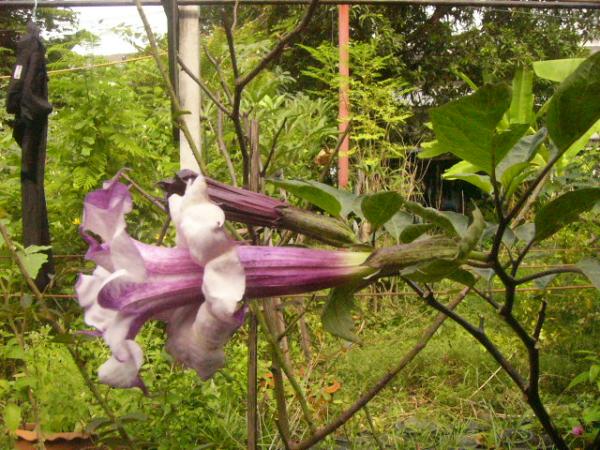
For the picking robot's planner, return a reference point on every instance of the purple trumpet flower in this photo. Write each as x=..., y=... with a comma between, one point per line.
x=242, y=205
x=196, y=287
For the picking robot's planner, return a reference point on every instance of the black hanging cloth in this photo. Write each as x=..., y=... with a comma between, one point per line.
x=27, y=99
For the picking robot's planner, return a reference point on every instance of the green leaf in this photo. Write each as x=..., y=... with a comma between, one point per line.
x=346, y=199
x=591, y=269
x=574, y=108
x=431, y=150
x=525, y=232
x=380, y=207
x=467, y=127
x=577, y=146
x=591, y=414
x=412, y=232
x=518, y=158
x=463, y=277
x=521, y=105
x=505, y=140
x=448, y=221
x=544, y=282
x=33, y=262
x=564, y=210
x=312, y=194
x=583, y=377
x=396, y=225
x=480, y=181
x=12, y=417
x=433, y=271
x=337, y=314
x=556, y=69
x=471, y=237
x=465, y=78
x=594, y=372
x=465, y=171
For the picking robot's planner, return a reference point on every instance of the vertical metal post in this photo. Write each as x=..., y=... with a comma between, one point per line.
x=344, y=99
x=189, y=91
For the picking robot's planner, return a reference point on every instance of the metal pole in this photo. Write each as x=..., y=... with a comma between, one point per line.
x=344, y=100
x=189, y=90
x=531, y=4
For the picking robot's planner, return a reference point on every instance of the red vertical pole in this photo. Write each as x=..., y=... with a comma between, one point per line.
x=344, y=101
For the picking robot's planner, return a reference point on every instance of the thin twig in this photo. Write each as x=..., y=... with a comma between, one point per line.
x=203, y=86
x=522, y=254
x=219, y=71
x=163, y=231
x=151, y=198
x=545, y=273
x=291, y=324
x=223, y=148
x=338, y=145
x=240, y=83
x=273, y=146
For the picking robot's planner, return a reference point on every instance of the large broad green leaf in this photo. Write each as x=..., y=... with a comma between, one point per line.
x=337, y=314
x=315, y=195
x=463, y=277
x=33, y=258
x=556, y=69
x=380, y=207
x=465, y=171
x=504, y=140
x=564, y=210
x=577, y=147
x=518, y=158
x=346, y=199
x=591, y=269
x=521, y=105
x=398, y=223
x=467, y=127
x=431, y=150
x=575, y=107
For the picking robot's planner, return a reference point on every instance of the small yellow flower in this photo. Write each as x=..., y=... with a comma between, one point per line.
x=76, y=221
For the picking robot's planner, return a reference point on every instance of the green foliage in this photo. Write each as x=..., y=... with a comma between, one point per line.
x=337, y=313
x=378, y=111
x=556, y=70
x=570, y=115
x=564, y=210
x=312, y=193
x=467, y=127
x=380, y=207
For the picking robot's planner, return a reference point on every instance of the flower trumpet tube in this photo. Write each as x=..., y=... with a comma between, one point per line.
x=252, y=208
x=196, y=287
